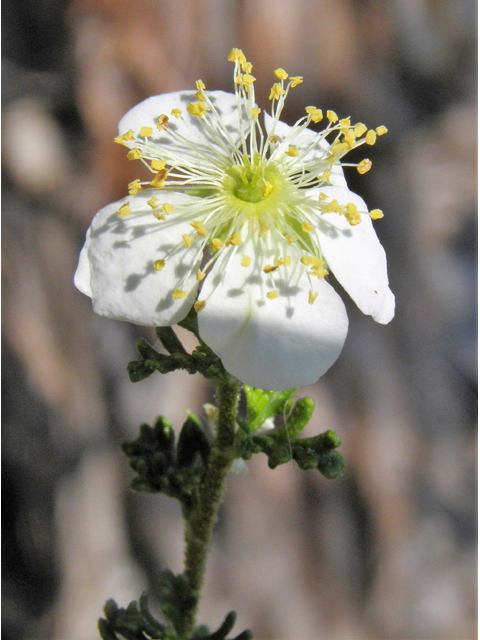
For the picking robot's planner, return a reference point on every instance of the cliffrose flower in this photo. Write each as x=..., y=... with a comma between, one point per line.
x=244, y=222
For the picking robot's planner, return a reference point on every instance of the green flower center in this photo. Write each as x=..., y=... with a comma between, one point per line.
x=252, y=181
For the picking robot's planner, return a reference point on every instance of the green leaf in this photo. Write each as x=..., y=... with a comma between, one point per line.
x=262, y=404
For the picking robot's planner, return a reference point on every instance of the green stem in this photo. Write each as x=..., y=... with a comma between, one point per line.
x=200, y=522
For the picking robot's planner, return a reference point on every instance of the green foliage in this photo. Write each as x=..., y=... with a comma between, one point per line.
x=137, y=623
x=162, y=467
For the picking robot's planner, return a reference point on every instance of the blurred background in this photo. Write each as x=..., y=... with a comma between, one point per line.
x=388, y=551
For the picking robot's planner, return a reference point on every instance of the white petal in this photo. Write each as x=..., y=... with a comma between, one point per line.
x=191, y=127
x=356, y=257
x=116, y=266
x=305, y=139
x=270, y=344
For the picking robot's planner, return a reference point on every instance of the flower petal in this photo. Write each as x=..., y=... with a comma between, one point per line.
x=116, y=266
x=276, y=343
x=356, y=257
x=305, y=139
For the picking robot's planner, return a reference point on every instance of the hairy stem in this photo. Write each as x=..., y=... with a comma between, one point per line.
x=201, y=520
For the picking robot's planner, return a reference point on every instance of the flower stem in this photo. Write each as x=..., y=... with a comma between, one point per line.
x=200, y=521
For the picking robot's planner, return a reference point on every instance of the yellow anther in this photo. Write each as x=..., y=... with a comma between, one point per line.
x=162, y=122
x=269, y=268
x=273, y=139
x=359, y=129
x=199, y=228
x=158, y=215
x=153, y=202
x=159, y=179
x=307, y=228
x=158, y=165
x=338, y=147
x=320, y=273
x=236, y=239
x=247, y=67
x=256, y=112
x=268, y=189
x=354, y=221
x=325, y=176
x=217, y=244
x=196, y=109
x=263, y=231
x=134, y=154
x=281, y=74
x=370, y=137
x=200, y=275
x=315, y=114
x=295, y=81
x=344, y=124
x=292, y=152
x=332, y=116
x=146, y=132
x=329, y=207
x=364, y=166
x=323, y=196
x=351, y=208
x=237, y=55
x=381, y=130
x=176, y=112
x=158, y=265
x=271, y=295
x=312, y=296
x=245, y=261
x=134, y=187
x=291, y=239
x=276, y=91
x=245, y=80
x=125, y=137
x=312, y=261
x=167, y=208
x=199, y=305
x=376, y=214
x=200, y=85
x=187, y=240
x=124, y=210
x=178, y=294
x=200, y=96
x=349, y=138
x=287, y=261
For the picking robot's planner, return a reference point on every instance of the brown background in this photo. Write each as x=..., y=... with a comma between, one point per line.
x=388, y=550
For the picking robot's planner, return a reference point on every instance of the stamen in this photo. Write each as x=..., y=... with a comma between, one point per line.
x=124, y=210
x=364, y=166
x=371, y=137
x=158, y=265
x=245, y=261
x=178, y=294
x=134, y=187
x=272, y=295
x=312, y=296
x=199, y=305
x=376, y=214
x=146, y=132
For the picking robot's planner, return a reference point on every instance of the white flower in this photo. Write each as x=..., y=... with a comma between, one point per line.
x=250, y=220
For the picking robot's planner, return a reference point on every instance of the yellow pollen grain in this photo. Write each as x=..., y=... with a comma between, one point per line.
x=158, y=216
x=158, y=265
x=199, y=228
x=292, y=152
x=263, y=231
x=237, y=55
x=167, y=208
x=271, y=295
x=217, y=244
x=200, y=96
x=371, y=137
x=349, y=138
x=295, y=81
x=281, y=74
x=376, y=214
x=134, y=187
x=200, y=275
x=162, y=122
x=344, y=124
x=178, y=294
x=125, y=137
x=236, y=239
x=381, y=130
x=320, y=273
x=276, y=91
x=153, y=202
x=351, y=208
x=158, y=165
x=196, y=109
x=315, y=114
x=268, y=189
x=364, y=166
x=307, y=228
x=269, y=268
x=176, y=112
x=200, y=85
x=159, y=179
x=359, y=129
x=256, y=112
x=312, y=261
x=124, y=210
x=245, y=261
x=146, y=132
x=187, y=240
x=199, y=305
x=134, y=154
x=338, y=147
x=247, y=67
x=312, y=296
x=332, y=116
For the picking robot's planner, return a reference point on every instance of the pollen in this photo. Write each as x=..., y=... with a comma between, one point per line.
x=269, y=268
x=200, y=85
x=217, y=244
x=256, y=112
x=312, y=261
x=134, y=154
x=158, y=265
x=349, y=138
x=247, y=67
x=312, y=296
x=307, y=228
x=276, y=91
x=158, y=215
x=281, y=74
x=291, y=239
x=295, y=81
x=364, y=166
x=273, y=139
x=381, y=130
x=332, y=116
x=271, y=295
x=196, y=109
x=178, y=294
x=146, y=132
x=245, y=261
x=237, y=55
x=162, y=122
x=125, y=137
x=158, y=165
x=134, y=187
x=176, y=113
x=159, y=180
x=200, y=275
x=315, y=114
x=153, y=202
x=187, y=240
x=124, y=210
x=371, y=137
x=263, y=231
x=320, y=273
x=292, y=152
x=376, y=214
x=268, y=189
x=167, y=208
x=199, y=228
x=359, y=129
x=199, y=305
x=236, y=239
